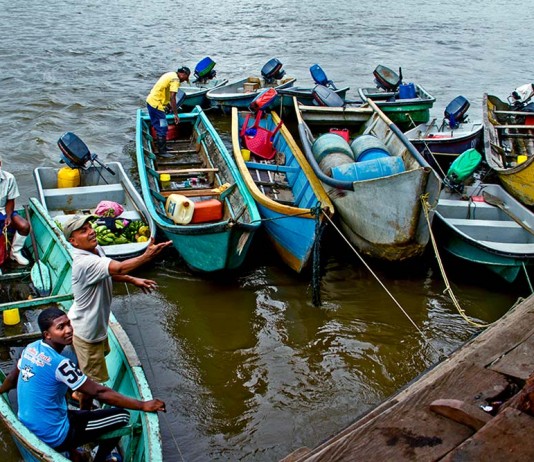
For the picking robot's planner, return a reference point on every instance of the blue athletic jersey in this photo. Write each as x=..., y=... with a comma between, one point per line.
x=45, y=375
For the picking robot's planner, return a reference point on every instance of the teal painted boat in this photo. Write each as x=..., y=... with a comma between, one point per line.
x=200, y=170
x=485, y=225
x=288, y=194
x=141, y=440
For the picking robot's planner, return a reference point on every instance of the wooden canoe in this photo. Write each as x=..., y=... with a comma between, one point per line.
x=196, y=91
x=285, y=189
x=201, y=169
x=96, y=184
x=141, y=440
x=486, y=226
x=509, y=147
x=382, y=217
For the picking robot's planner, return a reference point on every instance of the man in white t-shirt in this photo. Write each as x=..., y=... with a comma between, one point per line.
x=92, y=285
x=9, y=218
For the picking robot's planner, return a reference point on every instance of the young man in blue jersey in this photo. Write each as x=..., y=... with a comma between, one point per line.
x=43, y=376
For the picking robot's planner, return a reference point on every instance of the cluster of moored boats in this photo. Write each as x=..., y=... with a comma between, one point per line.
x=380, y=169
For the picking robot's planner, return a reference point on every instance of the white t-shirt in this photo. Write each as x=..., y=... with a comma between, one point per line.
x=92, y=287
x=8, y=189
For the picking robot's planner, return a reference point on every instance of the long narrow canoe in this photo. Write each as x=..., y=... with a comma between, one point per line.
x=96, y=184
x=289, y=196
x=141, y=440
x=381, y=215
x=509, y=147
x=196, y=91
x=201, y=169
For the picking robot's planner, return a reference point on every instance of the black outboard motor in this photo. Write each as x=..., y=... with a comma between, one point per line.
x=456, y=111
x=76, y=154
x=272, y=71
x=204, y=70
x=320, y=78
x=323, y=96
x=387, y=79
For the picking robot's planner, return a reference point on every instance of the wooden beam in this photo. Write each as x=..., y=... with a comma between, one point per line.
x=192, y=192
x=188, y=170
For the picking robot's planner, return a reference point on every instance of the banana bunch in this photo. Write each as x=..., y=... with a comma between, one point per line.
x=120, y=231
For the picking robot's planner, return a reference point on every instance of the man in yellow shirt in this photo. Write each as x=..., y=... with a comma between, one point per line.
x=162, y=94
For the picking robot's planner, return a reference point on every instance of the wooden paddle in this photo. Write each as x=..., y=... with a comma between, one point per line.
x=494, y=200
x=39, y=274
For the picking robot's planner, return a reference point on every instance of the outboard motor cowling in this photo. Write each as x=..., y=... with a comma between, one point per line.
x=521, y=98
x=272, y=71
x=387, y=79
x=76, y=154
x=456, y=111
x=204, y=70
x=323, y=96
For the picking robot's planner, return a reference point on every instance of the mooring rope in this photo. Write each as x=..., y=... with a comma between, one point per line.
x=316, y=268
x=448, y=288
x=131, y=309
x=439, y=353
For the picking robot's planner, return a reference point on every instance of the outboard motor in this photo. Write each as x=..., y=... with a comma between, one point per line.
x=521, y=97
x=76, y=154
x=456, y=111
x=272, y=71
x=320, y=78
x=204, y=70
x=387, y=79
x=323, y=96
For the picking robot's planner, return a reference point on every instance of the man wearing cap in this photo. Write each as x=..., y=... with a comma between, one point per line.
x=92, y=284
x=9, y=191
x=163, y=93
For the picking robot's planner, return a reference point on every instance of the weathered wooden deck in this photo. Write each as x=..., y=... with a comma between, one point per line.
x=491, y=368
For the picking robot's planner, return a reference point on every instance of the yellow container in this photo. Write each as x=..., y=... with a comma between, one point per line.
x=11, y=317
x=165, y=180
x=68, y=177
x=179, y=209
x=521, y=158
x=246, y=154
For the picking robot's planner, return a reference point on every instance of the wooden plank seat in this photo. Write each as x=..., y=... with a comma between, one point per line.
x=187, y=171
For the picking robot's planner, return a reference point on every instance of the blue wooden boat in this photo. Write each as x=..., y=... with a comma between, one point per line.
x=287, y=193
x=484, y=225
x=201, y=169
x=240, y=93
x=378, y=199
x=141, y=439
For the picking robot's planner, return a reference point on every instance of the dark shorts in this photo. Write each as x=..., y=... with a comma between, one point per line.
x=158, y=119
x=3, y=219
x=87, y=426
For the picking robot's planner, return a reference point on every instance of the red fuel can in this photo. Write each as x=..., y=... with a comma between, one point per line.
x=208, y=210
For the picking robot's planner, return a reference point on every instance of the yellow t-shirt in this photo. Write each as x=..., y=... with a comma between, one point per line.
x=160, y=95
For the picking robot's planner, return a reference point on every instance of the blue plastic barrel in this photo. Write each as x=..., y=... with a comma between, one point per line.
x=329, y=143
x=368, y=170
x=368, y=147
x=407, y=91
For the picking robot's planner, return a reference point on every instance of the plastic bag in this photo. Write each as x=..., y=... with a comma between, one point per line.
x=108, y=209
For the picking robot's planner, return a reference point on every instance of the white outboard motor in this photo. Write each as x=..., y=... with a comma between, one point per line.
x=272, y=71
x=521, y=98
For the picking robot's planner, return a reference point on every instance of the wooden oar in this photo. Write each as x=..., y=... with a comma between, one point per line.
x=39, y=274
x=493, y=200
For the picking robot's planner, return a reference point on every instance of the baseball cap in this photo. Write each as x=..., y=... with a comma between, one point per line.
x=74, y=223
x=185, y=70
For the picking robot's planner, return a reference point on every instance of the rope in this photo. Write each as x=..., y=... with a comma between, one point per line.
x=316, y=267
x=448, y=288
x=131, y=309
x=439, y=353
